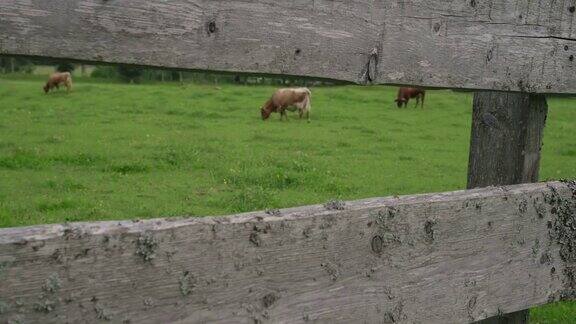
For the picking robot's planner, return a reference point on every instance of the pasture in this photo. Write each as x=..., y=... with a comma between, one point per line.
x=114, y=151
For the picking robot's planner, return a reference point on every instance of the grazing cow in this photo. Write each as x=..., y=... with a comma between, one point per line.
x=405, y=94
x=58, y=78
x=291, y=99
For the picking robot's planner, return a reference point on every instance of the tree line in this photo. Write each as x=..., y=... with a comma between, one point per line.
x=137, y=74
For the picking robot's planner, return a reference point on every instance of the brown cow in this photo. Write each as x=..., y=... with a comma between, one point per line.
x=291, y=99
x=405, y=94
x=58, y=78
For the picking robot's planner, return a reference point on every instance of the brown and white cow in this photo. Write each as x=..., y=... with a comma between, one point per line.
x=291, y=99
x=58, y=78
x=405, y=94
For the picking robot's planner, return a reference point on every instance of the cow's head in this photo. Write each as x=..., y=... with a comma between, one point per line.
x=267, y=109
x=265, y=113
x=400, y=102
x=46, y=88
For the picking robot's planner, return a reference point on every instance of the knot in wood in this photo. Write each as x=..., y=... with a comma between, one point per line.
x=429, y=230
x=377, y=244
x=489, y=120
x=372, y=70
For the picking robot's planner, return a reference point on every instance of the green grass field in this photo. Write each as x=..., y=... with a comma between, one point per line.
x=114, y=151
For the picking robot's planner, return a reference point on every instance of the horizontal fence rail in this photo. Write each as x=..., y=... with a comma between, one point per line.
x=437, y=258
x=526, y=46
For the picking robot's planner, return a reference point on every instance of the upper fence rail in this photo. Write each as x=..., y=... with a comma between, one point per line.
x=523, y=45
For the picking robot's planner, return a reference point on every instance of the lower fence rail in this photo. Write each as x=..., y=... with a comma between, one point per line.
x=451, y=257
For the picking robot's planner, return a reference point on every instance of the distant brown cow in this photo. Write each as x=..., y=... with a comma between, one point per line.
x=58, y=78
x=405, y=94
x=291, y=99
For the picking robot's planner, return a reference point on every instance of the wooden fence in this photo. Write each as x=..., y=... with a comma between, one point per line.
x=439, y=258
x=475, y=44
x=447, y=258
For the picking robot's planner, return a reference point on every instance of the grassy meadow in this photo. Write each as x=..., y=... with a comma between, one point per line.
x=119, y=151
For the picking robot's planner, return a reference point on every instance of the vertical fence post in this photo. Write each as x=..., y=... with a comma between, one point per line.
x=505, y=145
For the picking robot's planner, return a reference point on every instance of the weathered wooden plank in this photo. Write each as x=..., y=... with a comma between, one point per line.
x=506, y=138
x=437, y=258
x=507, y=130
x=499, y=44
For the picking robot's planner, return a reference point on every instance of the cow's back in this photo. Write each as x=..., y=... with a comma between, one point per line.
x=408, y=93
x=58, y=77
x=289, y=96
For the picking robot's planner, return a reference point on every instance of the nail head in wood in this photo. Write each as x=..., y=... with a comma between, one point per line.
x=211, y=27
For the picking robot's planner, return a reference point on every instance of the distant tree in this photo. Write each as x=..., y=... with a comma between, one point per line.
x=174, y=75
x=239, y=79
x=65, y=67
x=104, y=72
x=15, y=64
x=130, y=73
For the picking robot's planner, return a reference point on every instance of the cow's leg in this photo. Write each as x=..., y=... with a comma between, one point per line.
x=417, y=101
x=308, y=108
x=422, y=99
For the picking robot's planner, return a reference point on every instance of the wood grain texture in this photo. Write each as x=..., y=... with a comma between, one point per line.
x=523, y=45
x=438, y=258
x=506, y=140
x=507, y=130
